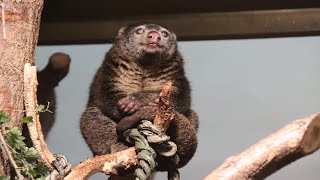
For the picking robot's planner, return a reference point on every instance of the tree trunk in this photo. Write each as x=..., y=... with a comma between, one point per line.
x=19, y=29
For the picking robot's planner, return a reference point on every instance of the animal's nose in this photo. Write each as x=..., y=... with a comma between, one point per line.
x=154, y=36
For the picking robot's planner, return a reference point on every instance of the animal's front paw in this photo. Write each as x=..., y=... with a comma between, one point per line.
x=128, y=105
x=155, y=102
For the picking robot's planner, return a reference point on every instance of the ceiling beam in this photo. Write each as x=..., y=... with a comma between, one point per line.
x=195, y=26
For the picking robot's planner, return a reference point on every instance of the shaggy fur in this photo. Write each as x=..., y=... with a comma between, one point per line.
x=126, y=88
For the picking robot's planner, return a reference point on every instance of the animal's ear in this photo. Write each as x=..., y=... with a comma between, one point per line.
x=121, y=31
x=174, y=36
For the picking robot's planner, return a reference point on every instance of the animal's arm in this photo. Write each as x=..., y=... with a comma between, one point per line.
x=105, y=96
x=144, y=105
x=146, y=97
x=128, y=122
x=180, y=96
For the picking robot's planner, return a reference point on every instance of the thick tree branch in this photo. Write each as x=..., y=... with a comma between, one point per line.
x=105, y=163
x=19, y=27
x=295, y=140
x=30, y=90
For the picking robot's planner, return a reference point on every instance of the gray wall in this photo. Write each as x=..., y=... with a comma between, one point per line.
x=243, y=90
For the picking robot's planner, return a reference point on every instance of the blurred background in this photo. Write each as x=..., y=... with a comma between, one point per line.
x=253, y=67
x=243, y=90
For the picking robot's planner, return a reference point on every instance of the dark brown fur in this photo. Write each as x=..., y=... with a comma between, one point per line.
x=126, y=87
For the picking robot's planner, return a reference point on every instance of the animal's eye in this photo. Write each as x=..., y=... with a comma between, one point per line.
x=165, y=33
x=139, y=31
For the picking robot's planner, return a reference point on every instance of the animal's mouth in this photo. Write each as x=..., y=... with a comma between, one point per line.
x=152, y=44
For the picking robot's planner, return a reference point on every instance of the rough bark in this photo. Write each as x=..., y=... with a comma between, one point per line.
x=105, y=163
x=165, y=114
x=295, y=140
x=35, y=131
x=18, y=37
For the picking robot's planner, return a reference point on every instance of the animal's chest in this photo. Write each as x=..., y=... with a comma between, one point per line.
x=153, y=84
x=141, y=80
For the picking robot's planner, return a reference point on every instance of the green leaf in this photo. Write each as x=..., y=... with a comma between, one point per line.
x=15, y=131
x=31, y=154
x=28, y=119
x=41, y=178
x=14, y=138
x=41, y=169
x=40, y=108
x=26, y=158
x=3, y=118
x=18, y=144
x=36, y=170
x=4, y=177
x=28, y=171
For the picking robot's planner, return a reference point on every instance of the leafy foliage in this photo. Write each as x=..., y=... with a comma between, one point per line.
x=4, y=177
x=40, y=108
x=28, y=119
x=26, y=158
x=3, y=117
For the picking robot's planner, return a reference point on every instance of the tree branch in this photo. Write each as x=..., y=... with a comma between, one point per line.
x=165, y=114
x=105, y=163
x=295, y=140
x=3, y=20
x=30, y=96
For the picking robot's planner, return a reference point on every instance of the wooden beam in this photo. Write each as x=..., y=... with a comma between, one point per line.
x=59, y=10
x=197, y=26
